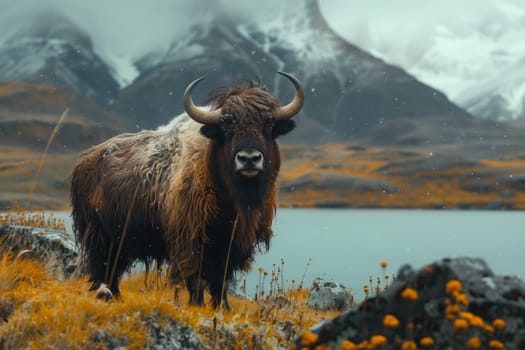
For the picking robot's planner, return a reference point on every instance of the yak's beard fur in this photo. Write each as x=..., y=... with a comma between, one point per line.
x=248, y=193
x=250, y=198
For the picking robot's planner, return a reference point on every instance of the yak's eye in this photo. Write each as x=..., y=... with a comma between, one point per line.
x=269, y=122
x=226, y=122
x=268, y=125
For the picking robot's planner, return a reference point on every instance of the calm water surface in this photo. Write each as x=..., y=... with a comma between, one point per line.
x=346, y=246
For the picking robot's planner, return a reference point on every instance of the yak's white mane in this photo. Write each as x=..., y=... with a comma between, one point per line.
x=180, y=119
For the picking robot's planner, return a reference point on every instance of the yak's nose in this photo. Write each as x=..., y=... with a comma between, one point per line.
x=249, y=162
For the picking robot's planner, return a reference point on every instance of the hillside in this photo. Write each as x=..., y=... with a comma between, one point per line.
x=361, y=114
x=347, y=89
x=328, y=176
x=50, y=49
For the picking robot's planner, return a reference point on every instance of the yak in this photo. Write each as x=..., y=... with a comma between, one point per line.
x=198, y=193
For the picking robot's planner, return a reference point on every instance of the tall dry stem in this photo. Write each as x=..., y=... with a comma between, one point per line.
x=55, y=131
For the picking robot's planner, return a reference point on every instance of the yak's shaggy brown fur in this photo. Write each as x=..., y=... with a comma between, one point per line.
x=172, y=194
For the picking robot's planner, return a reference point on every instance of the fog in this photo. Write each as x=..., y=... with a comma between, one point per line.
x=455, y=47
x=131, y=27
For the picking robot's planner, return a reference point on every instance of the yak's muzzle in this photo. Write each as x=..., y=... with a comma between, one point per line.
x=249, y=162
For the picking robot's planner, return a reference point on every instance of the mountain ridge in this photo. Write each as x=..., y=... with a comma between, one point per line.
x=348, y=90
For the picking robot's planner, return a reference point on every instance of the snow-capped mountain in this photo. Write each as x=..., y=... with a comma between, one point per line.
x=347, y=89
x=50, y=49
x=476, y=57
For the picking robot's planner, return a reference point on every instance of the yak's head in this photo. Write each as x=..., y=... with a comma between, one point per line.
x=243, y=123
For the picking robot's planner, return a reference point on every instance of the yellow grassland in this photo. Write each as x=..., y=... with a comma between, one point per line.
x=44, y=313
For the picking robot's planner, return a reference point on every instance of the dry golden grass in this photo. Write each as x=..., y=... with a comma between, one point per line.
x=44, y=313
x=21, y=217
x=419, y=190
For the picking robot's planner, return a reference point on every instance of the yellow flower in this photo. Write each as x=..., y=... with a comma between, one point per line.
x=362, y=345
x=474, y=343
x=452, y=309
x=409, y=345
x=453, y=286
x=378, y=340
x=476, y=321
x=390, y=321
x=499, y=323
x=488, y=329
x=466, y=315
x=383, y=263
x=461, y=298
x=496, y=344
x=308, y=338
x=426, y=341
x=410, y=294
x=460, y=324
x=348, y=345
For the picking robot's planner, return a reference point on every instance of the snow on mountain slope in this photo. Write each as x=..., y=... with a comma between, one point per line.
x=474, y=55
x=501, y=96
x=480, y=64
x=50, y=49
x=348, y=90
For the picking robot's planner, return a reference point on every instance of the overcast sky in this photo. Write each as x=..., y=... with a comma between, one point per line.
x=403, y=29
x=131, y=26
x=400, y=32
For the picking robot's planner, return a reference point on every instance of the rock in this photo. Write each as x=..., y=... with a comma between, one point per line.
x=489, y=181
x=426, y=165
x=329, y=204
x=42, y=244
x=480, y=298
x=514, y=182
x=340, y=183
x=329, y=296
x=172, y=335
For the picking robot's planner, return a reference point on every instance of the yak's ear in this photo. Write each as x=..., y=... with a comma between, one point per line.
x=282, y=127
x=213, y=132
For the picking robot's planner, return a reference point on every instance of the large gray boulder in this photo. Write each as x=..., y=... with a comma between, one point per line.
x=326, y=295
x=481, y=299
x=46, y=245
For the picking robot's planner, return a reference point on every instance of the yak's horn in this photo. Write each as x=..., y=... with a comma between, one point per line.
x=297, y=103
x=199, y=114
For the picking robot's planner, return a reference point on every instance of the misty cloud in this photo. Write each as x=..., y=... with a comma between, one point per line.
x=133, y=27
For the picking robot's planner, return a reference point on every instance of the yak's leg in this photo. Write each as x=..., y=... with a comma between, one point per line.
x=105, y=275
x=196, y=287
x=218, y=285
x=98, y=268
x=114, y=277
x=216, y=289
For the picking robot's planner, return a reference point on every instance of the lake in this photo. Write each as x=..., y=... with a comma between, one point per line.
x=347, y=245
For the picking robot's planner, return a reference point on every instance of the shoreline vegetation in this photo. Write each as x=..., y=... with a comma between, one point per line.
x=41, y=307
x=451, y=302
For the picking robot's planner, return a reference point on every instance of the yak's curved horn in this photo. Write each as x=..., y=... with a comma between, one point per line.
x=197, y=113
x=297, y=103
